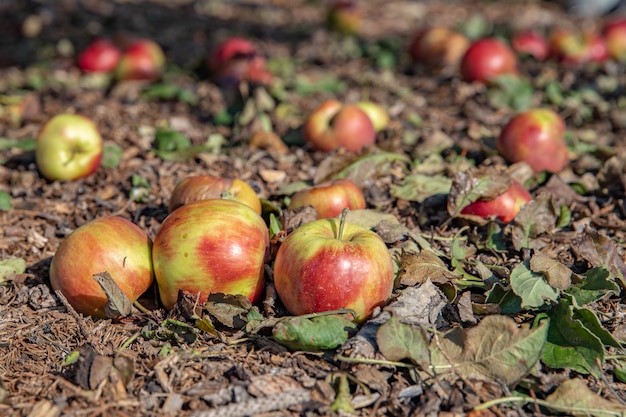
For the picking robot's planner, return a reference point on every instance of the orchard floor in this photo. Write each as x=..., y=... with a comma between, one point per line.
x=142, y=365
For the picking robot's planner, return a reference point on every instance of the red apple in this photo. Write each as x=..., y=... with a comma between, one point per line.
x=377, y=114
x=344, y=16
x=107, y=244
x=237, y=59
x=531, y=43
x=320, y=267
x=536, y=137
x=487, y=59
x=505, y=206
x=614, y=33
x=438, y=47
x=205, y=187
x=68, y=147
x=210, y=246
x=142, y=60
x=99, y=56
x=334, y=125
x=330, y=198
x=572, y=47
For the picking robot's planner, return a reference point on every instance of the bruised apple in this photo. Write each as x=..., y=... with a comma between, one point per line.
x=107, y=244
x=210, y=246
x=438, y=47
x=328, y=264
x=205, y=187
x=330, y=198
x=334, y=125
x=486, y=59
x=537, y=137
x=505, y=206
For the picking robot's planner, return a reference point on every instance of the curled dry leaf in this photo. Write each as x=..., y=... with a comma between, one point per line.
x=559, y=276
x=118, y=304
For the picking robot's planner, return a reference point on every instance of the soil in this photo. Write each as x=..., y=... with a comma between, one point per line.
x=132, y=366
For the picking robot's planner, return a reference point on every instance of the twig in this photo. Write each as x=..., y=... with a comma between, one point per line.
x=79, y=318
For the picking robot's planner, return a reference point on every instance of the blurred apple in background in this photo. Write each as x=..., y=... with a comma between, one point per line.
x=505, y=206
x=438, y=47
x=573, y=47
x=235, y=60
x=532, y=44
x=205, y=187
x=143, y=59
x=537, y=137
x=330, y=198
x=211, y=246
x=614, y=33
x=99, y=56
x=487, y=59
x=334, y=125
x=68, y=147
x=344, y=16
x=377, y=114
x=107, y=244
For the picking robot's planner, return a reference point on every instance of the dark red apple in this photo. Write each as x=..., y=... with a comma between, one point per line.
x=99, y=56
x=532, y=44
x=486, y=59
x=505, y=206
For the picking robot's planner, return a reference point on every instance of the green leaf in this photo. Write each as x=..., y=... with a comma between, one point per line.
x=398, y=341
x=505, y=298
x=304, y=86
x=27, y=144
x=317, y=333
x=111, y=155
x=370, y=167
x=11, y=267
x=597, y=283
x=620, y=372
x=419, y=187
x=574, y=397
x=5, y=201
x=274, y=227
x=570, y=344
x=170, y=140
x=511, y=91
x=169, y=92
x=495, y=349
x=532, y=287
x=592, y=323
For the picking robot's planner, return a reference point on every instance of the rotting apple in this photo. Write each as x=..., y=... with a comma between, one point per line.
x=329, y=264
x=505, y=206
x=536, y=137
x=99, y=56
x=344, y=16
x=334, y=125
x=486, y=59
x=438, y=47
x=142, y=60
x=377, y=114
x=68, y=147
x=237, y=59
x=330, y=198
x=614, y=33
x=110, y=244
x=210, y=246
x=532, y=44
x=204, y=187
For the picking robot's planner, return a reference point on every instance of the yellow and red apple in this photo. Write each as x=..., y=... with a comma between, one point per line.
x=330, y=198
x=505, y=206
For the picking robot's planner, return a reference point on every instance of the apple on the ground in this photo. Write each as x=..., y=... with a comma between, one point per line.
x=344, y=16
x=142, y=60
x=505, y=206
x=614, y=33
x=235, y=60
x=330, y=198
x=531, y=43
x=377, y=114
x=99, y=56
x=486, y=59
x=438, y=47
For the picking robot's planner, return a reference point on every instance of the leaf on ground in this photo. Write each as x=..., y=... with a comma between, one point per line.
x=369, y=167
x=317, y=333
x=495, y=349
x=426, y=265
x=419, y=187
x=531, y=287
x=369, y=218
x=399, y=341
x=421, y=305
x=573, y=396
x=589, y=319
x=600, y=251
x=597, y=283
x=118, y=304
x=536, y=217
x=230, y=310
x=559, y=276
x=570, y=344
x=505, y=298
x=475, y=184
x=11, y=267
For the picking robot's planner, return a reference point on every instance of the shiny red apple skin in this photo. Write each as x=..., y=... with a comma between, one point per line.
x=211, y=246
x=438, y=47
x=614, y=33
x=344, y=16
x=235, y=60
x=142, y=60
x=536, y=137
x=532, y=44
x=68, y=147
x=334, y=125
x=505, y=206
x=486, y=59
x=107, y=244
x=330, y=198
x=99, y=56
x=204, y=187
x=316, y=272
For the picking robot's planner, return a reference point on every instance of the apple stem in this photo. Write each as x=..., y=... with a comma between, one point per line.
x=342, y=222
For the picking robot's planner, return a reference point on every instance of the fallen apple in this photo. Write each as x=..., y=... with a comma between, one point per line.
x=614, y=33
x=377, y=114
x=486, y=59
x=505, y=206
x=344, y=16
x=572, y=47
x=330, y=198
x=532, y=44
x=334, y=125
x=68, y=147
x=99, y=56
x=438, y=47
x=328, y=264
x=205, y=187
x=210, y=246
x=107, y=244
x=142, y=60
x=235, y=60
x=536, y=137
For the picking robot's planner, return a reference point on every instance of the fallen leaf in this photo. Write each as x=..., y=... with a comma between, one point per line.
x=536, y=217
x=475, y=184
x=600, y=251
x=596, y=284
x=399, y=341
x=419, y=187
x=11, y=267
x=559, y=276
x=118, y=304
x=426, y=265
x=317, y=333
x=531, y=287
x=574, y=397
